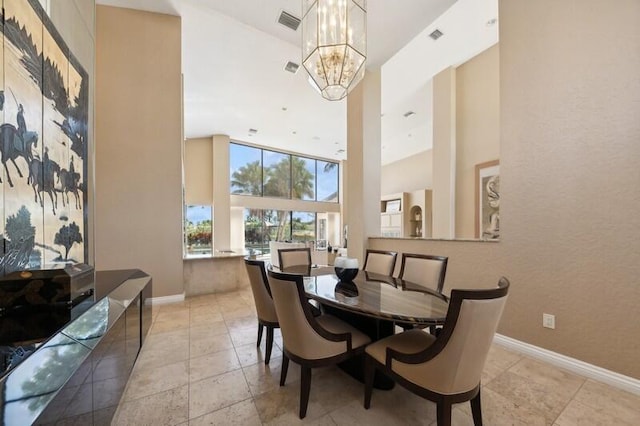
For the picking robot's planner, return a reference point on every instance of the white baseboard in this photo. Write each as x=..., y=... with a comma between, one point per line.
x=582, y=368
x=163, y=300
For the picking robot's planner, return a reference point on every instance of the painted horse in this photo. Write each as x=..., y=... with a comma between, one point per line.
x=41, y=178
x=69, y=182
x=12, y=146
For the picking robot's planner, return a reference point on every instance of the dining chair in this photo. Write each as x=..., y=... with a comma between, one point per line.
x=295, y=260
x=380, y=262
x=424, y=270
x=264, y=303
x=309, y=341
x=446, y=369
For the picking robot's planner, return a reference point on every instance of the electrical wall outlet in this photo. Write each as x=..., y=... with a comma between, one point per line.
x=549, y=321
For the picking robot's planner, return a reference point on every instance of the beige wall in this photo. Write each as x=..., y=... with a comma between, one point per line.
x=409, y=174
x=444, y=153
x=477, y=130
x=198, y=173
x=570, y=162
x=138, y=145
x=361, y=200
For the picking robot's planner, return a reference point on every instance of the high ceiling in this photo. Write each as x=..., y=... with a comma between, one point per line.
x=234, y=52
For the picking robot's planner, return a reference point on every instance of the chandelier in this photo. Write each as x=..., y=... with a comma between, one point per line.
x=334, y=45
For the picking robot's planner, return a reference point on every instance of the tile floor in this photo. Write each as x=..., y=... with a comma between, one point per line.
x=200, y=366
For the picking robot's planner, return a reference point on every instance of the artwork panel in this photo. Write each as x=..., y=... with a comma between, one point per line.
x=21, y=136
x=55, y=144
x=46, y=106
x=2, y=120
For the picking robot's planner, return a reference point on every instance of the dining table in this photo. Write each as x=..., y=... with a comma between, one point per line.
x=380, y=297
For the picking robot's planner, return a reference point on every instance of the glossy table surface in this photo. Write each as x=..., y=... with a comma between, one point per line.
x=380, y=297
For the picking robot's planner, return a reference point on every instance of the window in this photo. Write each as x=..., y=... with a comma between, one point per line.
x=327, y=181
x=245, y=170
x=198, y=230
x=277, y=225
x=303, y=226
x=255, y=241
x=260, y=172
x=277, y=174
x=262, y=226
x=303, y=176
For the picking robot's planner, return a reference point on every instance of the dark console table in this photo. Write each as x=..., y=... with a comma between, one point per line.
x=77, y=373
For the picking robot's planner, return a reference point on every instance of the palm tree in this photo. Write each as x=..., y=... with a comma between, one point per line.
x=277, y=179
x=302, y=180
x=289, y=174
x=247, y=179
x=288, y=178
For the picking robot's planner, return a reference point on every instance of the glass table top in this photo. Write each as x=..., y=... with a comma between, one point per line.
x=379, y=296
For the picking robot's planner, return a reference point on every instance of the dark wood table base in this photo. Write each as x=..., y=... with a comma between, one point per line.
x=376, y=329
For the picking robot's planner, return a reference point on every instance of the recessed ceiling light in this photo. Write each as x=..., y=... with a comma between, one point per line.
x=408, y=114
x=294, y=132
x=316, y=138
x=284, y=108
x=252, y=131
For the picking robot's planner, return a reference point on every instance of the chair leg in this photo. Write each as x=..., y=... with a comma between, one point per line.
x=369, y=373
x=285, y=367
x=269, y=344
x=305, y=388
x=260, y=328
x=476, y=409
x=444, y=413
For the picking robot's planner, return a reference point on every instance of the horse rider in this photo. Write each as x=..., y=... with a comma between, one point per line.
x=22, y=129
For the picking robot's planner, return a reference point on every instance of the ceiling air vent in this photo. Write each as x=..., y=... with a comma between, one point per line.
x=288, y=20
x=292, y=67
x=436, y=34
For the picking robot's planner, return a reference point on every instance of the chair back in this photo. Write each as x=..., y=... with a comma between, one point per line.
x=260, y=288
x=295, y=258
x=462, y=348
x=380, y=262
x=300, y=337
x=425, y=270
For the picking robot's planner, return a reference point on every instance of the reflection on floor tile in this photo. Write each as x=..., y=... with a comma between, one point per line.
x=217, y=392
x=169, y=407
x=201, y=366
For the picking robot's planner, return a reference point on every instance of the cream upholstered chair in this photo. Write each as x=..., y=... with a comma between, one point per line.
x=380, y=262
x=264, y=303
x=308, y=341
x=425, y=270
x=446, y=369
x=296, y=260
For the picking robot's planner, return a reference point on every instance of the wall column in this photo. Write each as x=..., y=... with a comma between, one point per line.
x=362, y=171
x=444, y=154
x=221, y=194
